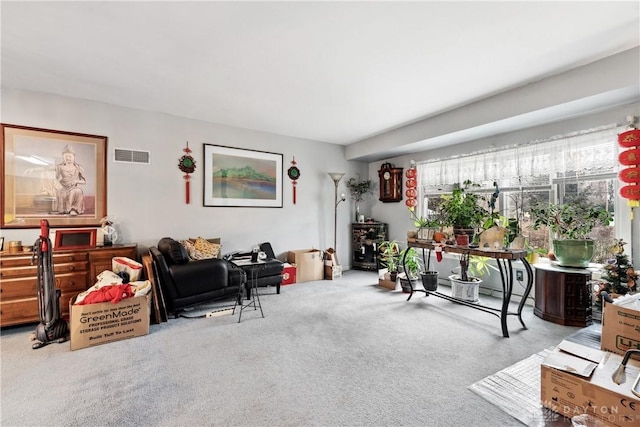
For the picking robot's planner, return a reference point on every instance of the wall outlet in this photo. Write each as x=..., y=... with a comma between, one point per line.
x=519, y=275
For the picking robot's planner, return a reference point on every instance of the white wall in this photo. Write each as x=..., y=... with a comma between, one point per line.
x=149, y=200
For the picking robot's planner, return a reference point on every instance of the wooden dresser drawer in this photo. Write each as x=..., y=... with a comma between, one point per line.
x=19, y=271
x=21, y=260
x=72, y=282
x=25, y=260
x=26, y=310
x=32, y=271
x=24, y=287
x=19, y=311
x=27, y=287
x=70, y=267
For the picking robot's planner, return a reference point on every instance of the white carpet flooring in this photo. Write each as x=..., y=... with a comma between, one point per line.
x=328, y=353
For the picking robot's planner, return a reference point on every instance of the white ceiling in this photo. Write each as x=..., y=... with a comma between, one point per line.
x=337, y=72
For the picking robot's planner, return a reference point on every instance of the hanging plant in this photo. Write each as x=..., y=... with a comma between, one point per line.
x=358, y=189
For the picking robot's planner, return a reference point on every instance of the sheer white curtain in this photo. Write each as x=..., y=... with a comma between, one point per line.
x=535, y=163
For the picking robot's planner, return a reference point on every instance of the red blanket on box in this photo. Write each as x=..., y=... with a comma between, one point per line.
x=113, y=293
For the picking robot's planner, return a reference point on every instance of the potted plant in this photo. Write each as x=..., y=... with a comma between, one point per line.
x=466, y=284
x=462, y=211
x=410, y=262
x=390, y=257
x=359, y=189
x=570, y=226
x=425, y=227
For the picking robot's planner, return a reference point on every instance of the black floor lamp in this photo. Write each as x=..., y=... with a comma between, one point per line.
x=336, y=177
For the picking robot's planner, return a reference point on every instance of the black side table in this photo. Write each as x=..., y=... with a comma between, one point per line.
x=251, y=269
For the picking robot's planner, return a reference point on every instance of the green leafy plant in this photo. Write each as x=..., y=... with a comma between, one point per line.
x=475, y=265
x=411, y=261
x=421, y=222
x=390, y=255
x=480, y=266
x=461, y=209
x=358, y=188
x=568, y=221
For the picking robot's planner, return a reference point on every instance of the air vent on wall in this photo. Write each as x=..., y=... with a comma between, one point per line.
x=124, y=155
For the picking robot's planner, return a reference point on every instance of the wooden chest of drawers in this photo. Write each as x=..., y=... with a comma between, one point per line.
x=74, y=272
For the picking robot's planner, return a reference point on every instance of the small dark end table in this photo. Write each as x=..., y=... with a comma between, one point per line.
x=251, y=269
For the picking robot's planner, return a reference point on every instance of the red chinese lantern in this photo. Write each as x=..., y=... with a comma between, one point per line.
x=630, y=138
x=411, y=173
x=630, y=157
x=630, y=192
x=411, y=193
x=630, y=175
x=411, y=203
x=412, y=183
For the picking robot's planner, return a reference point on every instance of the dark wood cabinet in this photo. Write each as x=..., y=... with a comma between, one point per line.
x=74, y=271
x=366, y=239
x=563, y=295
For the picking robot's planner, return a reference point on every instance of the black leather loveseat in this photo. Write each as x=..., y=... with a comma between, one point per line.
x=186, y=282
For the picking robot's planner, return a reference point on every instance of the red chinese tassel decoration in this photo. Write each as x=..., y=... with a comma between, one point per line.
x=187, y=165
x=294, y=175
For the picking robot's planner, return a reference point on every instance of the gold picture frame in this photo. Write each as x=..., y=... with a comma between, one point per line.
x=54, y=175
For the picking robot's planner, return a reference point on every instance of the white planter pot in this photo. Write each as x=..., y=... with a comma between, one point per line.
x=426, y=233
x=467, y=291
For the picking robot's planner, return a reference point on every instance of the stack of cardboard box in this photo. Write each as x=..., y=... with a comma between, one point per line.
x=576, y=379
x=332, y=267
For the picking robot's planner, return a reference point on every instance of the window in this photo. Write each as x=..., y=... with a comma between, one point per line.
x=576, y=168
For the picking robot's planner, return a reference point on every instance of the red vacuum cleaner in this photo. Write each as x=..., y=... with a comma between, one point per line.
x=52, y=327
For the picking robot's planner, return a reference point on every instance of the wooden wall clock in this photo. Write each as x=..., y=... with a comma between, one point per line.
x=390, y=183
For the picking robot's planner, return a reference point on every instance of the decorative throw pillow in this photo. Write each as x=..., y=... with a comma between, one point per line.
x=206, y=248
x=191, y=249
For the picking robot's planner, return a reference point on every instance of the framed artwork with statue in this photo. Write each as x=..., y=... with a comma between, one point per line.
x=54, y=175
x=239, y=177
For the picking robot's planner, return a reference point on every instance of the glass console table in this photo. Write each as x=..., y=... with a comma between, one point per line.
x=504, y=260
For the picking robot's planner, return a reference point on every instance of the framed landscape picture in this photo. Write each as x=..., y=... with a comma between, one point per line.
x=54, y=175
x=240, y=177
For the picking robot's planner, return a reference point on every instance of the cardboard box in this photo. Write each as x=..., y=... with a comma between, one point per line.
x=589, y=388
x=332, y=272
x=332, y=267
x=309, y=264
x=389, y=284
x=620, y=329
x=95, y=324
x=288, y=274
